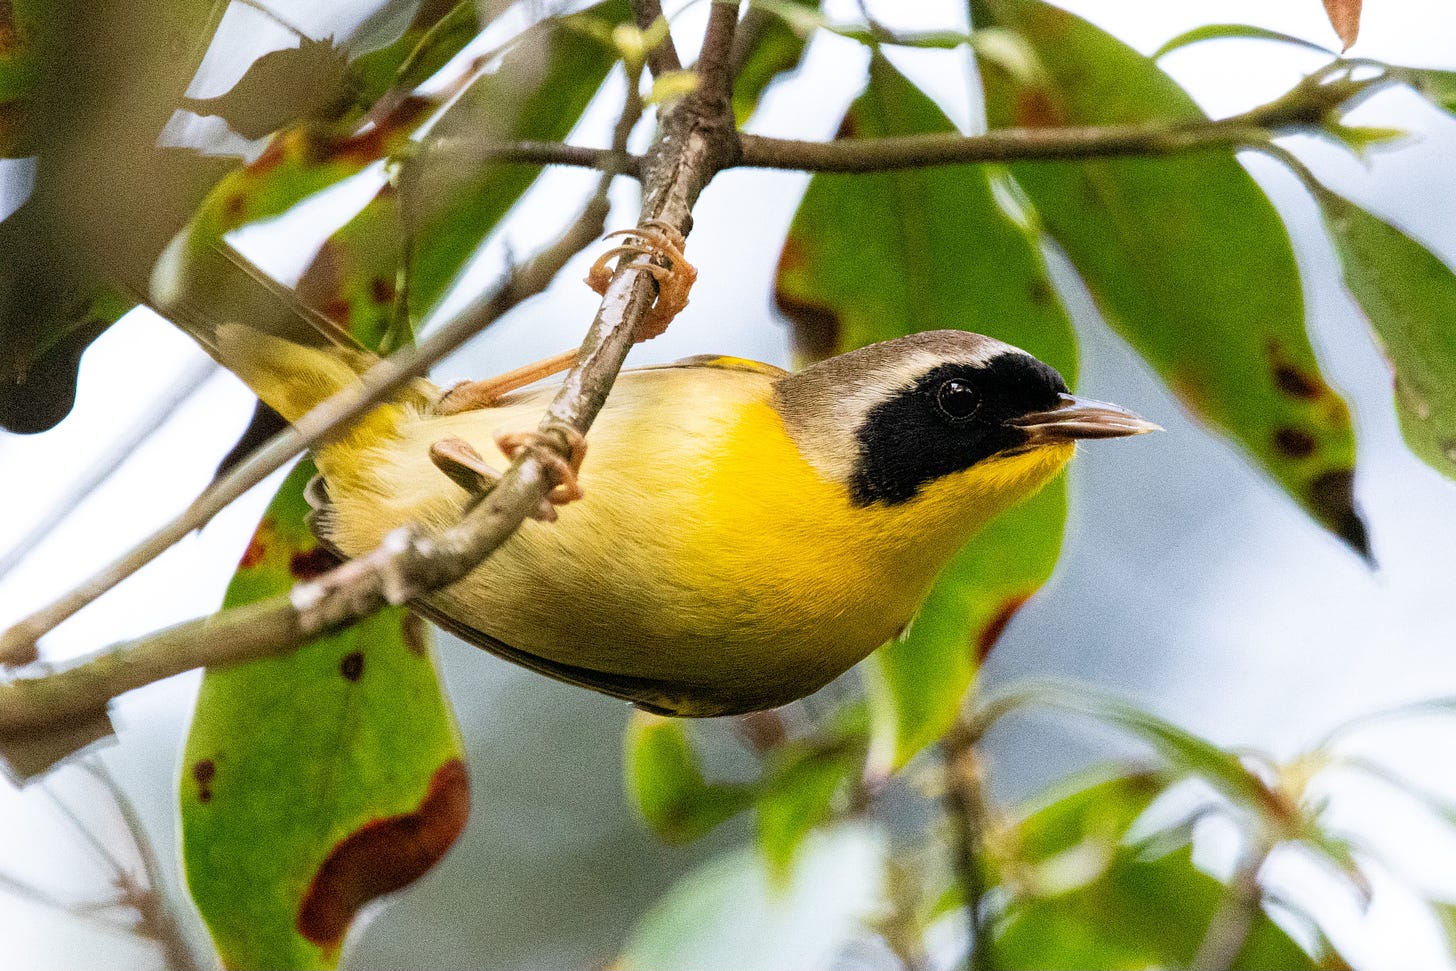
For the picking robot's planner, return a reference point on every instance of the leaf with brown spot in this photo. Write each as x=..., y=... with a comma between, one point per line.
x=871, y=257
x=315, y=782
x=1408, y=295
x=1345, y=18
x=1185, y=257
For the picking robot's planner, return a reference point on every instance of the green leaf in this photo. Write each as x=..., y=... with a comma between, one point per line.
x=665, y=781
x=1183, y=750
x=779, y=48
x=437, y=33
x=87, y=92
x=1439, y=87
x=315, y=782
x=1098, y=806
x=1241, y=31
x=447, y=203
x=871, y=257
x=1184, y=256
x=1141, y=913
x=732, y=913
x=801, y=783
x=1083, y=896
x=1409, y=296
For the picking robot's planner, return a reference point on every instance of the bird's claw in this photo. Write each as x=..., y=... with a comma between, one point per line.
x=660, y=240
x=468, y=469
x=561, y=473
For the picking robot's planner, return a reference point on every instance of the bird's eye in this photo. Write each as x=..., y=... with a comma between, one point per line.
x=957, y=400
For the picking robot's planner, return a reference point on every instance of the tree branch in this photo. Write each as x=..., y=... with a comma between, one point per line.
x=663, y=58
x=1307, y=106
x=695, y=140
x=966, y=811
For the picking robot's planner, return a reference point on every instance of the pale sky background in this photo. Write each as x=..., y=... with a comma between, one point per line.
x=1188, y=580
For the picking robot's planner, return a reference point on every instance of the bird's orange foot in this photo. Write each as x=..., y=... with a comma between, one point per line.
x=661, y=241
x=561, y=473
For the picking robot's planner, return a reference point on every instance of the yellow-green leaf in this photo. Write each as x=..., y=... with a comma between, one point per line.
x=1408, y=294
x=665, y=781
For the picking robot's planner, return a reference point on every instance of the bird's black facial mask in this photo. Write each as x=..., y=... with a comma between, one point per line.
x=953, y=417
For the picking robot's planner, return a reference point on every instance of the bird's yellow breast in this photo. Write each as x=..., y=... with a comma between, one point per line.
x=707, y=551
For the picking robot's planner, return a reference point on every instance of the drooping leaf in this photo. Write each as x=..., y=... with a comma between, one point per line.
x=1439, y=87
x=1408, y=295
x=732, y=913
x=314, y=783
x=1345, y=18
x=1182, y=749
x=871, y=257
x=86, y=90
x=1241, y=31
x=665, y=781
x=1185, y=257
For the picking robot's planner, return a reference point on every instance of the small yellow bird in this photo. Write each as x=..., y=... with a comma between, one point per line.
x=740, y=534
x=745, y=535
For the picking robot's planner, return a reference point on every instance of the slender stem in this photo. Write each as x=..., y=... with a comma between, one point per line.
x=161, y=411
x=474, y=151
x=1228, y=931
x=969, y=818
x=662, y=58
x=715, y=63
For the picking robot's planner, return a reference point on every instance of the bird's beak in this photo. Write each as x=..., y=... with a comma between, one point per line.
x=1078, y=418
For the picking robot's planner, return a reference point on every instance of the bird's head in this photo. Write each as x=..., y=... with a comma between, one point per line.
x=929, y=424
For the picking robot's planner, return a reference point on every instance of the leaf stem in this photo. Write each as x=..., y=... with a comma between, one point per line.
x=969, y=818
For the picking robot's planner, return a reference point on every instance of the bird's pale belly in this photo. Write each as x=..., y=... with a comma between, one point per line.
x=707, y=557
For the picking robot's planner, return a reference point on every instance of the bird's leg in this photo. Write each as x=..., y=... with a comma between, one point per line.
x=470, y=395
x=659, y=240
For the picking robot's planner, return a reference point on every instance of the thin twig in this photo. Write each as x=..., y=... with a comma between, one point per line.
x=158, y=923
x=966, y=811
x=663, y=58
x=1229, y=929
x=161, y=411
x=93, y=912
x=695, y=140
x=470, y=151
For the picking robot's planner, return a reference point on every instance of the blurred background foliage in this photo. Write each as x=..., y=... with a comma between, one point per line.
x=859, y=828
